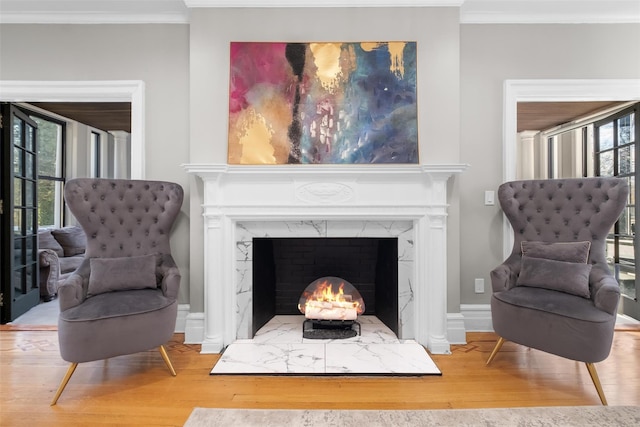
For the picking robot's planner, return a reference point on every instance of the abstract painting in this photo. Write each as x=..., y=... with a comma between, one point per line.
x=322, y=103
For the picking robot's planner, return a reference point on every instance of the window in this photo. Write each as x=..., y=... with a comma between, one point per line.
x=51, y=136
x=96, y=150
x=568, y=153
x=616, y=149
x=603, y=144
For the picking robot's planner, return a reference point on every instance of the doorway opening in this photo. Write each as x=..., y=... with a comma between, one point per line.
x=532, y=91
x=77, y=91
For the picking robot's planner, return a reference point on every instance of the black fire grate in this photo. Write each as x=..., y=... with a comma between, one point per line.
x=330, y=329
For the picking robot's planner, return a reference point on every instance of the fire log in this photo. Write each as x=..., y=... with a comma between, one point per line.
x=330, y=310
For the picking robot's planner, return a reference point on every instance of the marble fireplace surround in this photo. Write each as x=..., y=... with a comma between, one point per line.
x=404, y=201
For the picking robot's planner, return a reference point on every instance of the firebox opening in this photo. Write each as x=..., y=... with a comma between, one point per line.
x=284, y=267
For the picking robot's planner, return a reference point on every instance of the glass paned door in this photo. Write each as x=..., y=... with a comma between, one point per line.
x=51, y=135
x=20, y=208
x=615, y=155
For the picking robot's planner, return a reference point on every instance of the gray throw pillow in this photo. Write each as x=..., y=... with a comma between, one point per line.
x=118, y=274
x=559, y=251
x=47, y=241
x=569, y=277
x=72, y=240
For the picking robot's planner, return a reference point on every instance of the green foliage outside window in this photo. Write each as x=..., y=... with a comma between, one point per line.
x=49, y=138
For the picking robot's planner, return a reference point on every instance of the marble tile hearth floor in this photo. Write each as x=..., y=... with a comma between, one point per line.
x=278, y=348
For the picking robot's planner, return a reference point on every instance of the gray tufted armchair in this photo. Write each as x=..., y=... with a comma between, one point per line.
x=554, y=292
x=123, y=297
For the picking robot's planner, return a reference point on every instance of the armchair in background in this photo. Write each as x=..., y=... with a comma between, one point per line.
x=60, y=252
x=555, y=292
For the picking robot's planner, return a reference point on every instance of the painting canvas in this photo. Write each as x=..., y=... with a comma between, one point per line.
x=322, y=103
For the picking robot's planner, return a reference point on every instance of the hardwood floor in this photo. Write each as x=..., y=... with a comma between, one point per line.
x=138, y=389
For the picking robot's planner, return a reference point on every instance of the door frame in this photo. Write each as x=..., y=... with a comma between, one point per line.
x=557, y=90
x=133, y=91
x=16, y=303
x=89, y=91
x=550, y=90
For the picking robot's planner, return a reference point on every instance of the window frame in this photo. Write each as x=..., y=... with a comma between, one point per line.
x=616, y=149
x=59, y=209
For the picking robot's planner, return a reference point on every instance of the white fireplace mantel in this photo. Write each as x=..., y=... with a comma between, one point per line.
x=405, y=201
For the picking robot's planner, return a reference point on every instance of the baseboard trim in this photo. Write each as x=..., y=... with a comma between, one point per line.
x=477, y=317
x=456, y=330
x=181, y=321
x=194, y=328
x=472, y=318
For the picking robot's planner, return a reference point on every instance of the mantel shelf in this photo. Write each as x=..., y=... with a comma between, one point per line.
x=212, y=169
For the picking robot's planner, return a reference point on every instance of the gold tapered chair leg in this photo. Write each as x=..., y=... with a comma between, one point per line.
x=596, y=381
x=64, y=382
x=165, y=357
x=496, y=349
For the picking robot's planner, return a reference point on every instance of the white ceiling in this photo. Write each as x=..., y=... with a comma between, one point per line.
x=177, y=11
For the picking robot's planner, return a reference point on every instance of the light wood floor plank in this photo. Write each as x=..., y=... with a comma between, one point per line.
x=139, y=390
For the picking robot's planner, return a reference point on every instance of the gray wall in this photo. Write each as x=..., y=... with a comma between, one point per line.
x=156, y=54
x=436, y=32
x=490, y=54
x=462, y=68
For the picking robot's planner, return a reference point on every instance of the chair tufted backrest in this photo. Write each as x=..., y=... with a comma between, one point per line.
x=123, y=218
x=564, y=210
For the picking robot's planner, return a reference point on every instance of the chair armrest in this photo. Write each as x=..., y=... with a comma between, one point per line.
x=605, y=291
x=74, y=289
x=170, y=282
x=47, y=258
x=49, y=266
x=504, y=276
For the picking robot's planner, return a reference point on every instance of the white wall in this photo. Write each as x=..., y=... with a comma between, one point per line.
x=489, y=55
x=156, y=54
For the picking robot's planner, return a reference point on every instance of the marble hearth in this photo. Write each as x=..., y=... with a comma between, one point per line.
x=407, y=202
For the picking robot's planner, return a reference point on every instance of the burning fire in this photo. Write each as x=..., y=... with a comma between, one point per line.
x=322, y=303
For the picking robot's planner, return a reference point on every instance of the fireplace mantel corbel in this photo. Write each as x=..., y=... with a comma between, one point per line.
x=325, y=201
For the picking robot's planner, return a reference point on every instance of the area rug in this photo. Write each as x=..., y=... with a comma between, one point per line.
x=567, y=416
x=279, y=349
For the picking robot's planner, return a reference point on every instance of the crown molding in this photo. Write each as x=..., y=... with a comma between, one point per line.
x=177, y=11
x=550, y=12
x=321, y=3
x=93, y=12
x=132, y=91
x=89, y=18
